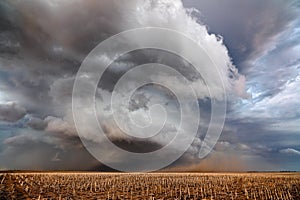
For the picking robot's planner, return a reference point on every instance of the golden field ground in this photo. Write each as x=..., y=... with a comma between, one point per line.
x=57, y=185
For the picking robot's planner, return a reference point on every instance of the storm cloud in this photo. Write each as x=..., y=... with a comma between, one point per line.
x=43, y=43
x=11, y=112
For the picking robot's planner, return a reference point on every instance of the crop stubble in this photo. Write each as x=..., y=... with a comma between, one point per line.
x=56, y=185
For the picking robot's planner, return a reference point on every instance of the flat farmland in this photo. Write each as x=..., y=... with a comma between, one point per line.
x=69, y=185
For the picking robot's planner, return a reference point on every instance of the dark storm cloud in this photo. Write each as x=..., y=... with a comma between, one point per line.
x=36, y=123
x=42, y=44
x=37, y=49
x=11, y=112
x=45, y=48
x=39, y=54
x=38, y=155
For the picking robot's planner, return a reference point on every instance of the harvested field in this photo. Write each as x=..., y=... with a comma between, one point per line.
x=150, y=186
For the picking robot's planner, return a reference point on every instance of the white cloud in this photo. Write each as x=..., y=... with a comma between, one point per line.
x=58, y=125
x=290, y=151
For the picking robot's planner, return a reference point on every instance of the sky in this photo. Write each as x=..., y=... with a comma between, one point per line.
x=254, y=44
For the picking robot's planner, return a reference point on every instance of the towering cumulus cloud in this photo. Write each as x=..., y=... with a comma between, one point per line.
x=43, y=44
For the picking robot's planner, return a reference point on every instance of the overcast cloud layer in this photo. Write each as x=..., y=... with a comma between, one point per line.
x=42, y=45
